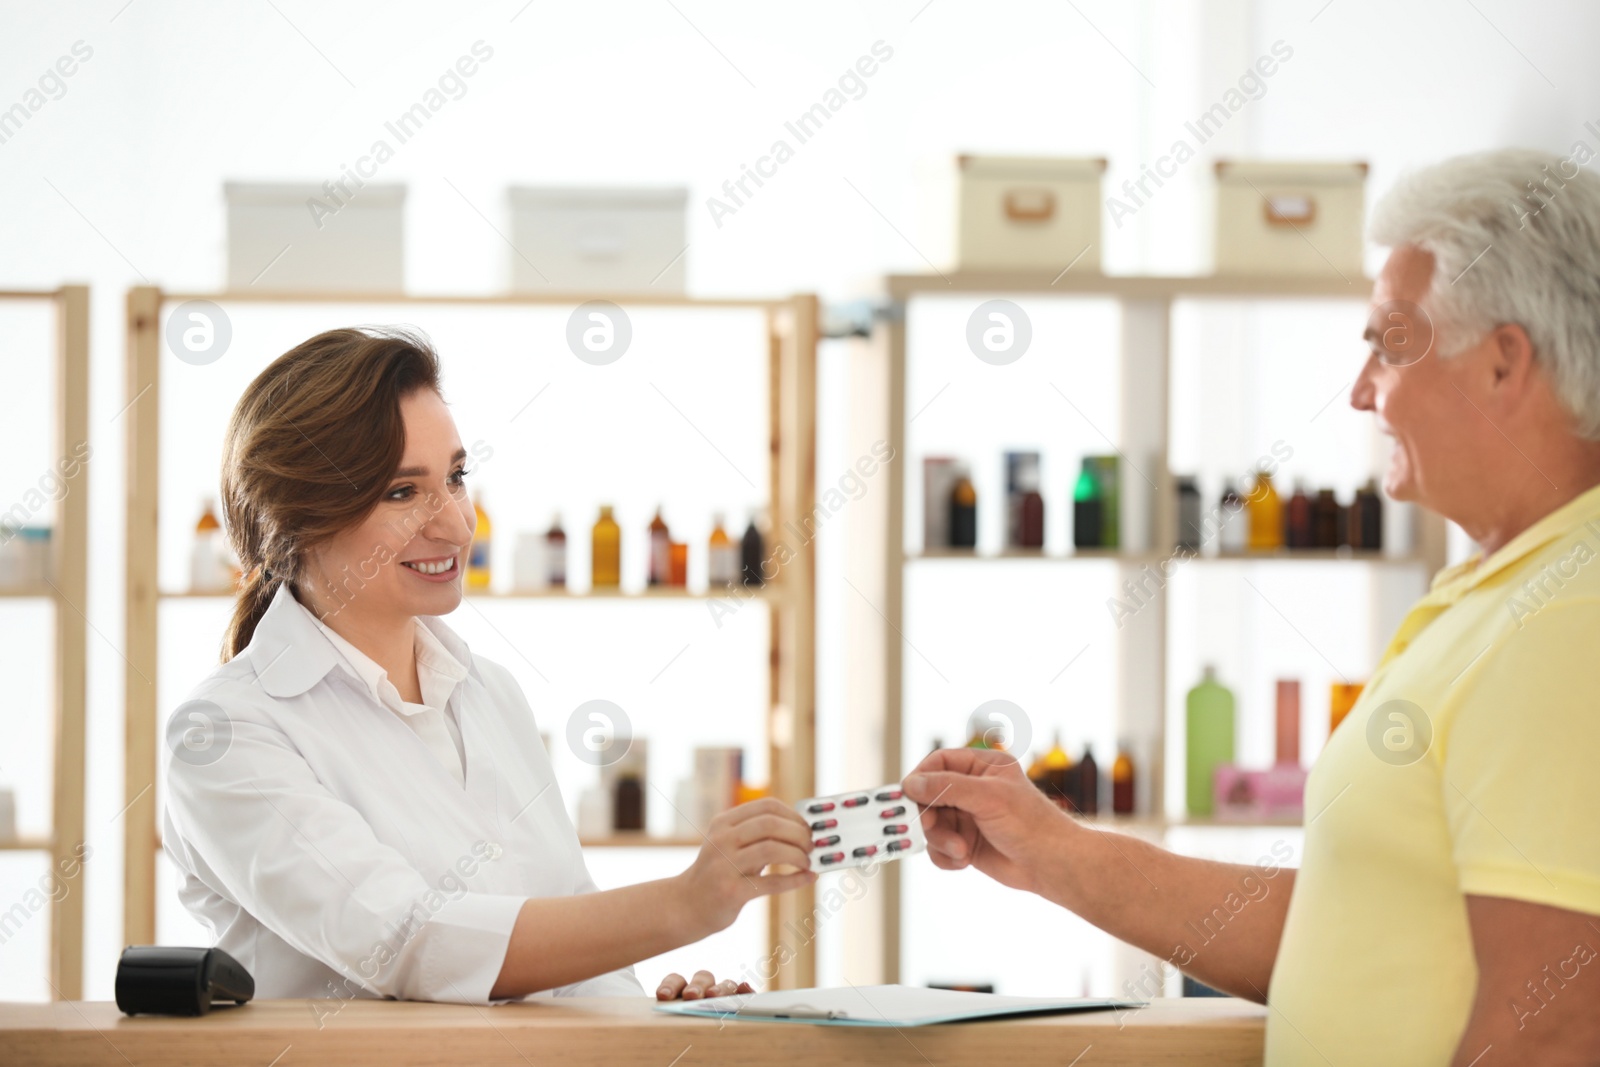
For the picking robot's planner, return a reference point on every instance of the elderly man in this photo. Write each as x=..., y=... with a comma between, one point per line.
x=1447, y=910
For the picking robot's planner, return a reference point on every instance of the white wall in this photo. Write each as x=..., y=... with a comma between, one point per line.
x=118, y=181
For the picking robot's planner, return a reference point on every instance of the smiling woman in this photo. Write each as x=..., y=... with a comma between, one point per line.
x=284, y=496
x=374, y=813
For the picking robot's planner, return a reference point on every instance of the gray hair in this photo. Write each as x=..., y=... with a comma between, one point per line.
x=1515, y=235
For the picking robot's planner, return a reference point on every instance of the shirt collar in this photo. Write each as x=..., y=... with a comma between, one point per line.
x=438, y=672
x=1583, y=510
x=291, y=651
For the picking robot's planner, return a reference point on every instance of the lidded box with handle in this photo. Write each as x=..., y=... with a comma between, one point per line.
x=1289, y=218
x=1029, y=213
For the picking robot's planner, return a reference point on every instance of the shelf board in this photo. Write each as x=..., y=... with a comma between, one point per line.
x=765, y=592
x=27, y=844
x=638, y=839
x=1297, y=555
x=1161, y=824
x=1035, y=555
x=28, y=592
x=651, y=593
x=1129, y=287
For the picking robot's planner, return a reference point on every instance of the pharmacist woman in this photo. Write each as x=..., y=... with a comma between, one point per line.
x=359, y=805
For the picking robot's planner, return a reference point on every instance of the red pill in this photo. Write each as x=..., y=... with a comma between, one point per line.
x=832, y=857
x=825, y=824
x=899, y=846
x=891, y=794
x=865, y=850
x=824, y=842
x=818, y=809
x=890, y=813
x=891, y=831
x=854, y=802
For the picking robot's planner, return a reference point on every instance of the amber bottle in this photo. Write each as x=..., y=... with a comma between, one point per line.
x=606, y=542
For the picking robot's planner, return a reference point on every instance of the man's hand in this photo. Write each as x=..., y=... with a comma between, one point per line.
x=980, y=810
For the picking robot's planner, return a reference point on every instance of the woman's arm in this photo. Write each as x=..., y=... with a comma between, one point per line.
x=560, y=940
x=1219, y=922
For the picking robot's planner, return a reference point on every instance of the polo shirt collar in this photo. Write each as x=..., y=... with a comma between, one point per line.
x=1452, y=583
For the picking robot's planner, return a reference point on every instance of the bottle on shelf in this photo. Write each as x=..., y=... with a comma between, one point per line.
x=1233, y=533
x=1288, y=740
x=1024, y=504
x=1365, y=518
x=1342, y=697
x=722, y=557
x=1265, y=509
x=938, y=479
x=628, y=808
x=478, y=554
x=209, y=570
x=555, y=553
x=606, y=558
x=1108, y=478
x=963, y=514
x=660, y=551
x=528, y=572
x=752, y=555
x=1087, y=791
x=1088, y=508
x=1208, y=739
x=1189, y=532
x=677, y=564
x=1299, y=528
x=1122, y=780
x=1327, y=520
x=1030, y=518
x=1051, y=773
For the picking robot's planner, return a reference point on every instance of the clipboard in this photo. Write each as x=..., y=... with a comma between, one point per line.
x=895, y=1006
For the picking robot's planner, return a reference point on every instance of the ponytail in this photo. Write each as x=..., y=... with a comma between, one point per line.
x=255, y=596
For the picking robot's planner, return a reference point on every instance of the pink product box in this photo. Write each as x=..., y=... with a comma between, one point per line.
x=1245, y=795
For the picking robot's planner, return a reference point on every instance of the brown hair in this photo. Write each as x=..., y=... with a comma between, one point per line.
x=310, y=449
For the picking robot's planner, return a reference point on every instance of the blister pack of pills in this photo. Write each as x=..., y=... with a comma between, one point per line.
x=866, y=826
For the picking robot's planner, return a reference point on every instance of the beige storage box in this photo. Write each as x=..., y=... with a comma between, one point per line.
x=1029, y=213
x=1290, y=218
x=316, y=238
x=614, y=240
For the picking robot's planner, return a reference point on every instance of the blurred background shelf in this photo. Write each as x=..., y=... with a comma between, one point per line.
x=766, y=592
x=641, y=840
x=27, y=844
x=68, y=590
x=1299, y=555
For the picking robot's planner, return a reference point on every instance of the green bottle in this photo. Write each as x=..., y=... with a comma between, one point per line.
x=1209, y=738
x=1088, y=515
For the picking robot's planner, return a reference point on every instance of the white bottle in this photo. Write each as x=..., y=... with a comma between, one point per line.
x=723, y=562
x=209, y=569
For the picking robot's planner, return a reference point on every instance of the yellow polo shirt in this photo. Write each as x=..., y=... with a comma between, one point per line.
x=1471, y=764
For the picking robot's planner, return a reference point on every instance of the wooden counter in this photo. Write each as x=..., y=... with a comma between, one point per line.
x=604, y=1031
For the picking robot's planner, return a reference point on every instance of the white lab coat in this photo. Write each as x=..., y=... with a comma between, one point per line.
x=328, y=849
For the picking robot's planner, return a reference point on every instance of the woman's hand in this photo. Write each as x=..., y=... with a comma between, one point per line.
x=740, y=844
x=980, y=810
x=703, y=984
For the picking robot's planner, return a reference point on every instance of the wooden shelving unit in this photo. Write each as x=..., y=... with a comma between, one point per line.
x=1148, y=519
x=790, y=361
x=68, y=590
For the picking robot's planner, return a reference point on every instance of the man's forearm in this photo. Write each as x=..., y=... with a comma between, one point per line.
x=1219, y=922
